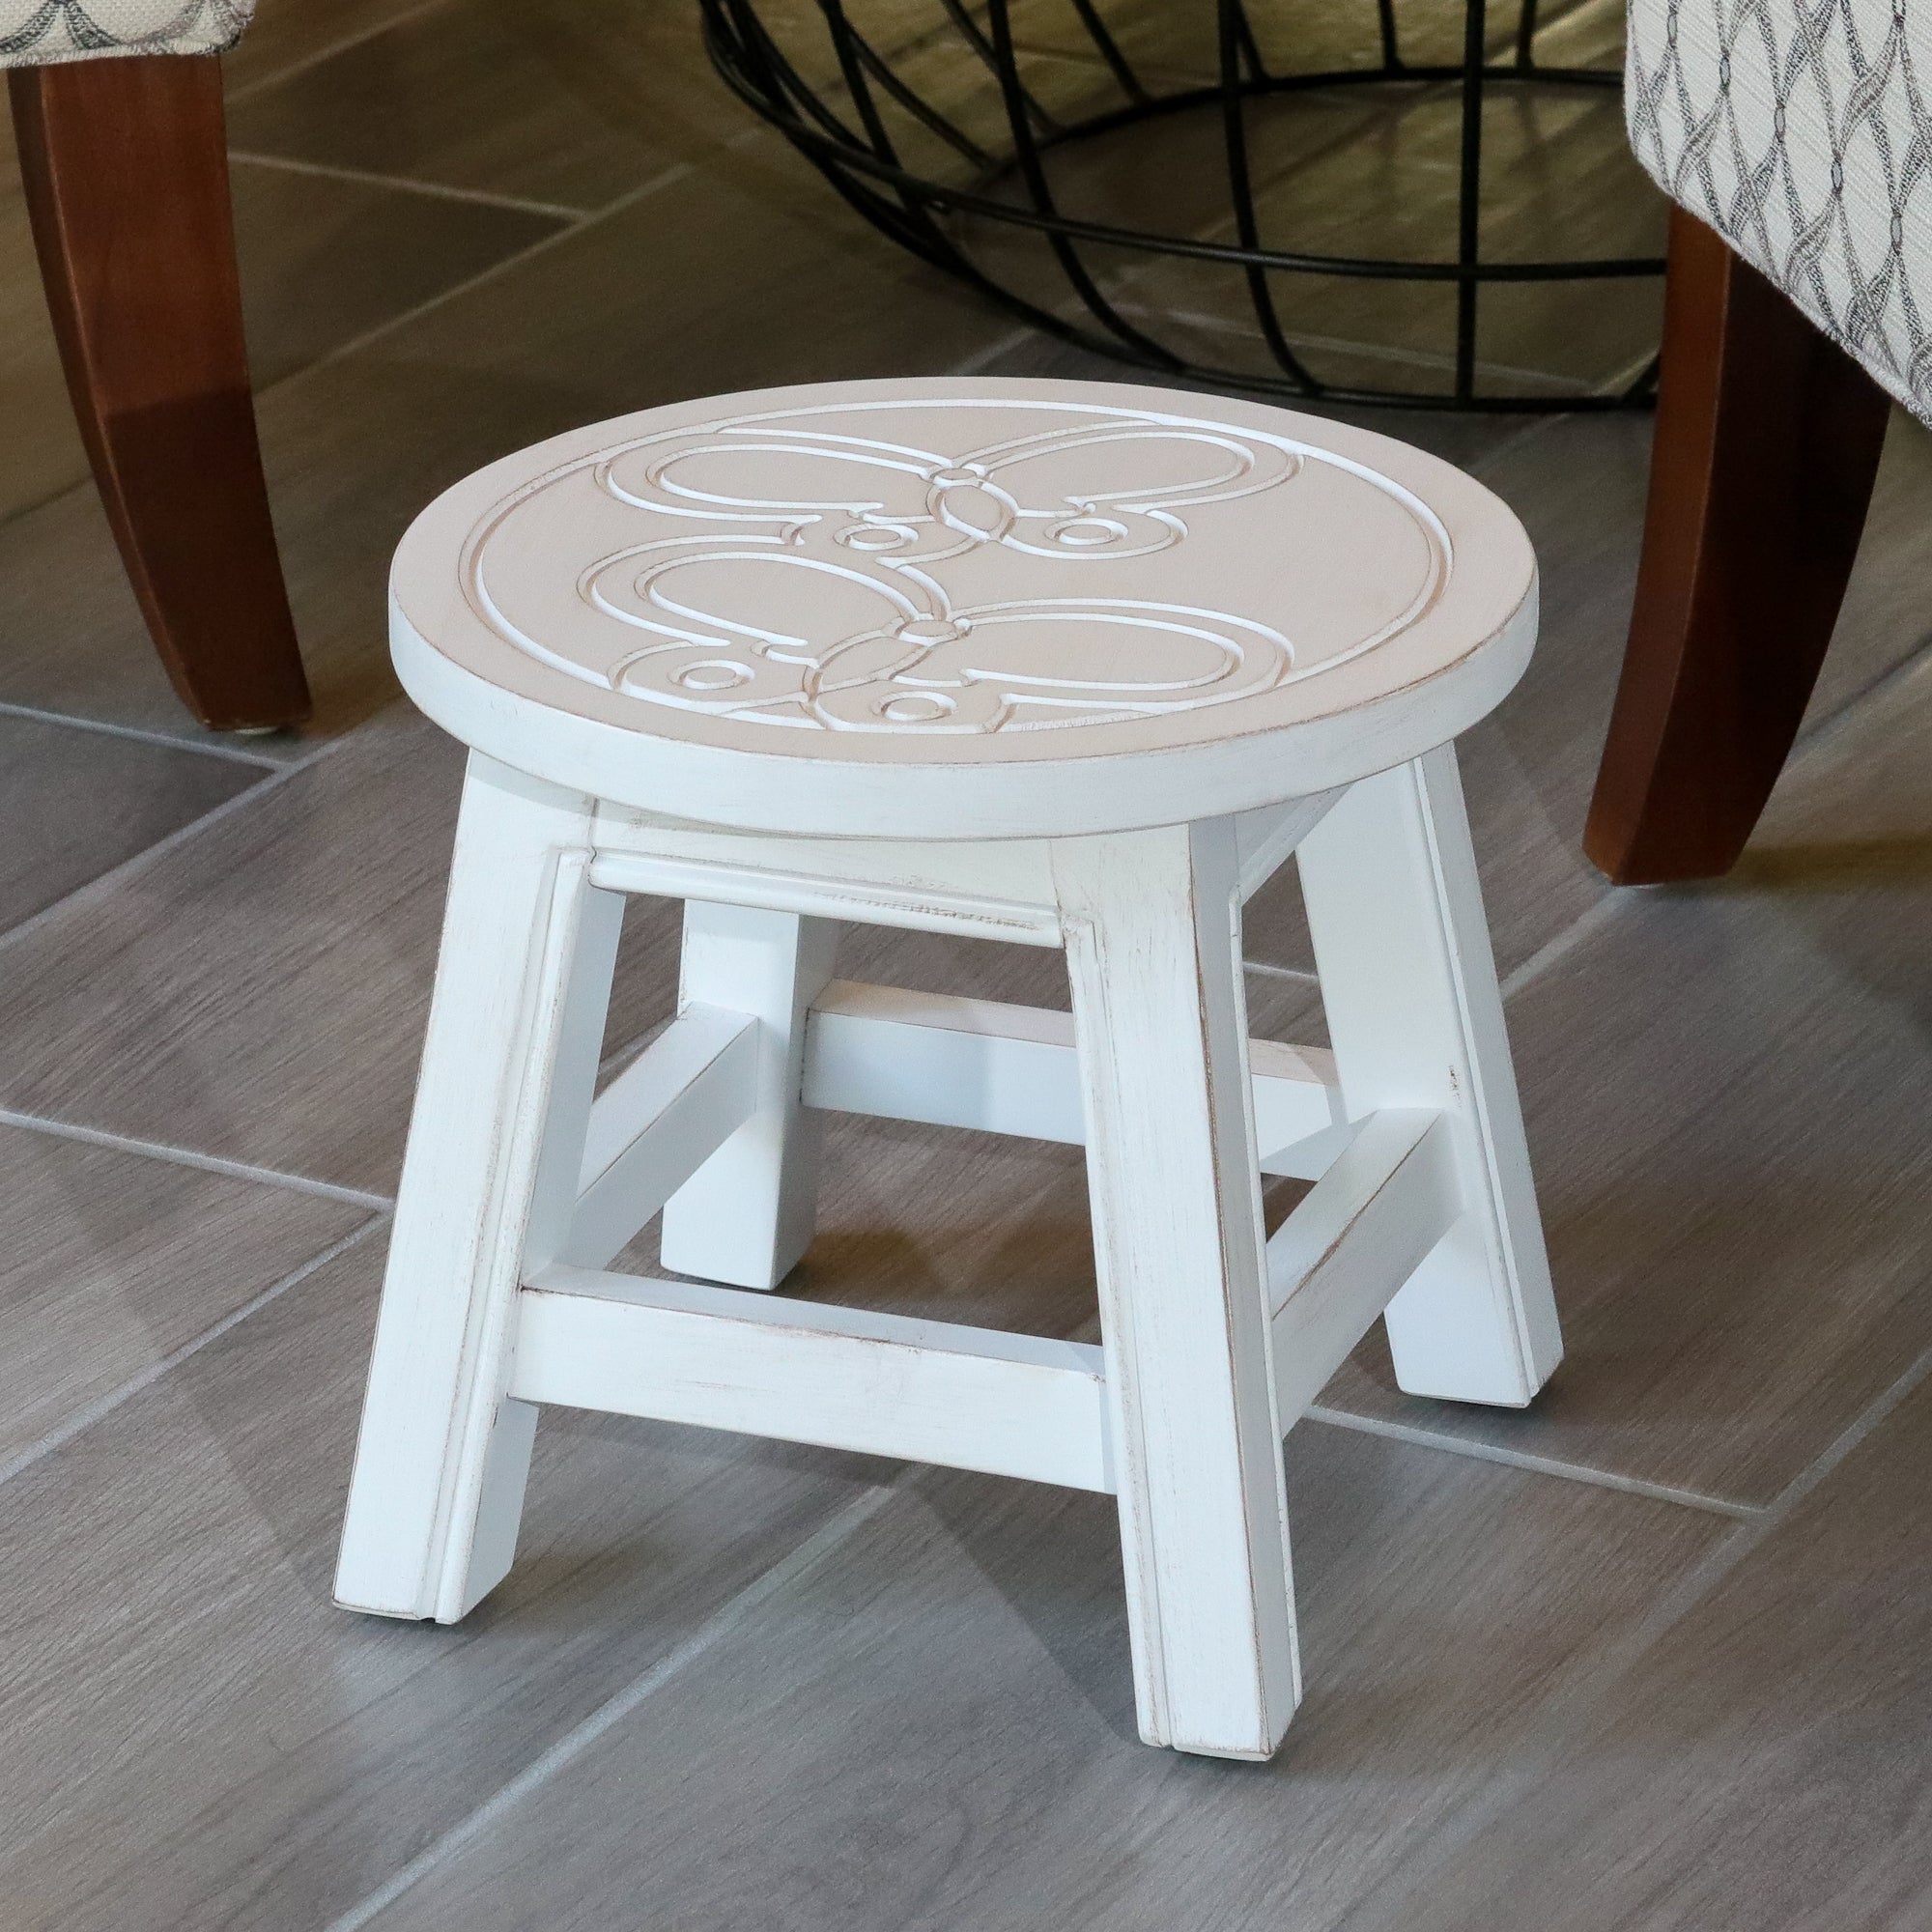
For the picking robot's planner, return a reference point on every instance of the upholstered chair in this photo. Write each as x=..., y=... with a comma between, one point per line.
x=1795, y=138
x=116, y=111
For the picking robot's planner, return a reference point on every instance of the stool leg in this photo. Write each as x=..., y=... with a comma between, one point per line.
x=1417, y=1020
x=1153, y=955
x=488, y=1182
x=747, y=1215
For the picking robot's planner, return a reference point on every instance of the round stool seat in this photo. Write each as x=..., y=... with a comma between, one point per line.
x=961, y=608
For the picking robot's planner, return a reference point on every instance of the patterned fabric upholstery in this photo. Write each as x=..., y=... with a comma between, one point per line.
x=1800, y=130
x=34, y=32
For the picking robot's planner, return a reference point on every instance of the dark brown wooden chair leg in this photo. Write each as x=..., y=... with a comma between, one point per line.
x=1767, y=438
x=125, y=168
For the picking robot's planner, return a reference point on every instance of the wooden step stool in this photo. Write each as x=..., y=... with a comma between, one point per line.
x=1063, y=664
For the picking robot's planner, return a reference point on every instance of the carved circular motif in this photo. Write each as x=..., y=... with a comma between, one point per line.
x=946, y=566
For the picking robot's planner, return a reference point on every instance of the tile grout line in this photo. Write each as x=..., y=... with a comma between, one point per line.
x=1556, y=948
x=1852, y=1436
x=1546, y=1743
x=1480, y=1451
x=665, y=178
x=272, y=780
x=204, y=1164
x=1526, y=432
x=37, y=715
x=105, y=1404
x=315, y=58
x=1835, y=722
x=275, y=773
x=478, y=197
x=1562, y=389
x=717, y=1625
x=1300, y=974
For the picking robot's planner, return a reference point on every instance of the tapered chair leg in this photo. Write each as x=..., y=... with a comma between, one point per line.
x=1416, y=1020
x=1153, y=962
x=747, y=1215
x=489, y=1185
x=126, y=171
x=1768, y=439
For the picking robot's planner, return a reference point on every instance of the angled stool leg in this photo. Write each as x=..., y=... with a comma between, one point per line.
x=747, y=1215
x=1417, y=1020
x=488, y=1185
x=1152, y=921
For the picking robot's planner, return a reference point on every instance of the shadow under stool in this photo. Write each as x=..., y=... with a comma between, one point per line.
x=1063, y=664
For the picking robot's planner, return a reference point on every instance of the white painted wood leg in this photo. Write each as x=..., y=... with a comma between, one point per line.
x=747, y=1215
x=1153, y=955
x=1417, y=1020
x=488, y=1187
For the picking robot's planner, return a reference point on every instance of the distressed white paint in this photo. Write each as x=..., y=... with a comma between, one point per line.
x=1281, y=603
x=651, y=1130
x=804, y=1372
x=1358, y=604
x=488, y=1187
x=747, y=1214
x=1359, y=1232
x=958, y=1063
x=1153, y=958
x=1417, y=1020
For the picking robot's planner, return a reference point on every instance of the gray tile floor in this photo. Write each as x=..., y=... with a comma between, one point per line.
x=1647, y=1657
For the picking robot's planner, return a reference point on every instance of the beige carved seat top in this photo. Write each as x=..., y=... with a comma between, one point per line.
x=961, y=608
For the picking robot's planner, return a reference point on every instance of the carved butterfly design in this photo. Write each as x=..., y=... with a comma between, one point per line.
x=803, y=588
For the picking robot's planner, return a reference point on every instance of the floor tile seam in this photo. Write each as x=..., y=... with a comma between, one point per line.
x=1554, y=949
x=98, y=887
x=1117, y=292
x=1533, y=1761
x=192, y=1157
x=35, y=714
x=555, y=211
x=1564, y=389
x=1268, y=970
x=1819, y=736
x=104, y=1405
x=317, y=56
x=715, y=1629
x=377, y=331
x=1530, y=1464
x=1852, y=1436
x=1553, y=1733
x=1527, y=430
x=665, y=178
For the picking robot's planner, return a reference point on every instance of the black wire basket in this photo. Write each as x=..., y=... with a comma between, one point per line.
x=1122, y=172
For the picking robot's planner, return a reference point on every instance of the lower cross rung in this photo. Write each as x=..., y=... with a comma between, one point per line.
x=958, y=1063
x=804, y=1372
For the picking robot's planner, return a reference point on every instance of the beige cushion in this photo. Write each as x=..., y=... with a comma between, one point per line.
x=33, y=32
x=1800, y=130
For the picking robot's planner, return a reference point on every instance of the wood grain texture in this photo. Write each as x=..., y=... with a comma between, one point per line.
x=933, y=1728
x=697, y=270
x=497, y=1138
x=572, y=103
x=125, y=176
x=199, y=1737
x=1730, y=1181
x=1768, y=443
x=320, y=260
x=276, y=1014
x=747, y=1214
x=1761, y=1765
x=113, y=1261
x=1152, y=923
x=76, y=804
x=1409, y=987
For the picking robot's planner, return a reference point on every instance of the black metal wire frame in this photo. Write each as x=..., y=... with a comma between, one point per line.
x=860, y=158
